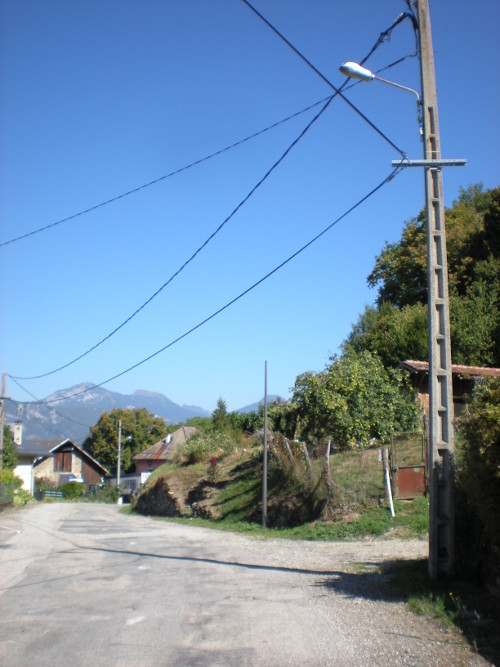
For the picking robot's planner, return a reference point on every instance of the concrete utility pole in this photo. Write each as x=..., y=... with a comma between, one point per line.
x=441, y=436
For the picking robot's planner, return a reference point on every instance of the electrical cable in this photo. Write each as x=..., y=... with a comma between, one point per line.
x=382, y=37
x=181, y=169
x=162, y=178
x=386, y=180
x=385, y=35
x=204, y=244
x=325, y=79
x=192, y=164
x=128, y=319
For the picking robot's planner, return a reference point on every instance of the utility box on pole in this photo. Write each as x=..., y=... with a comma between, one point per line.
x=441, y=436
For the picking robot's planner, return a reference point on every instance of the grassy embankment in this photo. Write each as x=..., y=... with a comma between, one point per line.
x=364, y=513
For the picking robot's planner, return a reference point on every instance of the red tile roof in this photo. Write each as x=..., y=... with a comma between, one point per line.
x=423, y=367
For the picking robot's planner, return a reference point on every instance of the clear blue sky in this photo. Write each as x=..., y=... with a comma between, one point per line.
x=98, y=98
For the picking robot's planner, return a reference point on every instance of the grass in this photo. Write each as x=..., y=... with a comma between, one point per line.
x=358, y=481
x=410, y=522
x=454, y=603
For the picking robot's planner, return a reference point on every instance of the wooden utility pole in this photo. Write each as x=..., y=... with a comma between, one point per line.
x=441, y=436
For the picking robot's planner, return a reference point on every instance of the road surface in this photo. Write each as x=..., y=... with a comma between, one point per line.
x=83, y=584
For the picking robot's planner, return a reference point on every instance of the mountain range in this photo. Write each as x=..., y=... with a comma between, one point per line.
x=69, y=413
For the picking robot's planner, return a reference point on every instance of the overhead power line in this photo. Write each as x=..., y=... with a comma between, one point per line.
x=197, y=252
x=324, y=78
x=164, y=177
x=326, y=102
x=123, y=195
x=382, y=37
x=386, y=180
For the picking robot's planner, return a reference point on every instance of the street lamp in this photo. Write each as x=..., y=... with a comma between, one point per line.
x=355, y=71
x=441, y=435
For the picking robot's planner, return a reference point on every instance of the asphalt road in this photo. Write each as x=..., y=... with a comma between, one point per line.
x=82, y=584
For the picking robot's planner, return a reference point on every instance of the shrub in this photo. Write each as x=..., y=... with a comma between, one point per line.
x=204, y=446
x=478, y=474
x=72, y=490
x=7, y=477
x=479, y=468
x=42, y=483
x=21, y=497
x=9, y=485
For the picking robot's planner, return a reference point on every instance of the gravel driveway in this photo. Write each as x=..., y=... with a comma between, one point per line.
x=83, y=584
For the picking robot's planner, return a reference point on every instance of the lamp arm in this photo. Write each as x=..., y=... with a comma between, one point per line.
x=398, y=85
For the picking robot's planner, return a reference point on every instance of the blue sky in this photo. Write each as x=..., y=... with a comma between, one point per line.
x=99, y=98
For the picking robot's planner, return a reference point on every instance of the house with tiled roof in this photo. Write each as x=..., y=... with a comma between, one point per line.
x=64, y=460
x=162, y=451
x=465, y=378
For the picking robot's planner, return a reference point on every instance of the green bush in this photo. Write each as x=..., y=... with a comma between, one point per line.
x=204, y=446
x=42, y=483
x=7, y=477
x=108, y=494
x=478, y=476
x=72, y=490
x=9, y=485
x=479, y=464
x=21, y=497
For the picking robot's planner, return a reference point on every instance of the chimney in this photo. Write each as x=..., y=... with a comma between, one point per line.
x=18, y=433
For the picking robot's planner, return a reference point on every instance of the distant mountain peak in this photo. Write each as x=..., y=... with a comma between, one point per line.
x=83, y=404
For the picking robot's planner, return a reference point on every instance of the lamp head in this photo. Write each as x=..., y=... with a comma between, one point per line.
x=355, y=71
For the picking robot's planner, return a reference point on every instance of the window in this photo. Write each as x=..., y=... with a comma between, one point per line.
x=62, y=462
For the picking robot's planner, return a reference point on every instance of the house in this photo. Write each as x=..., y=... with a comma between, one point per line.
x=65, y=460
x=27, y=456
x=160, y=452
x=465, y=378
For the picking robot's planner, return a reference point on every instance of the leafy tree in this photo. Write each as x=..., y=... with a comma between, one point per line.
x=492, y=224
x=220, y=416
x=203, y=424
x=391, y=333
x=480, y=456
x=400, y=271
x=283, y=417
x=353, y=400
x=474, y=325
x=396, y=328
x=9, y=449
x=140, y=430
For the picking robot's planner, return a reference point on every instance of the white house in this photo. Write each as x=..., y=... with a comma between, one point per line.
x=27, y=455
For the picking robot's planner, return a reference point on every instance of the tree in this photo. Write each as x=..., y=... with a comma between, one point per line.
x=140, y=430
x=479, y=467
x=9, y=449
x=400, y=271
x=220, y=417
x=472, y=226
x=391, y=333
x=475, y=324
x=353, y=400
x=396, y=328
